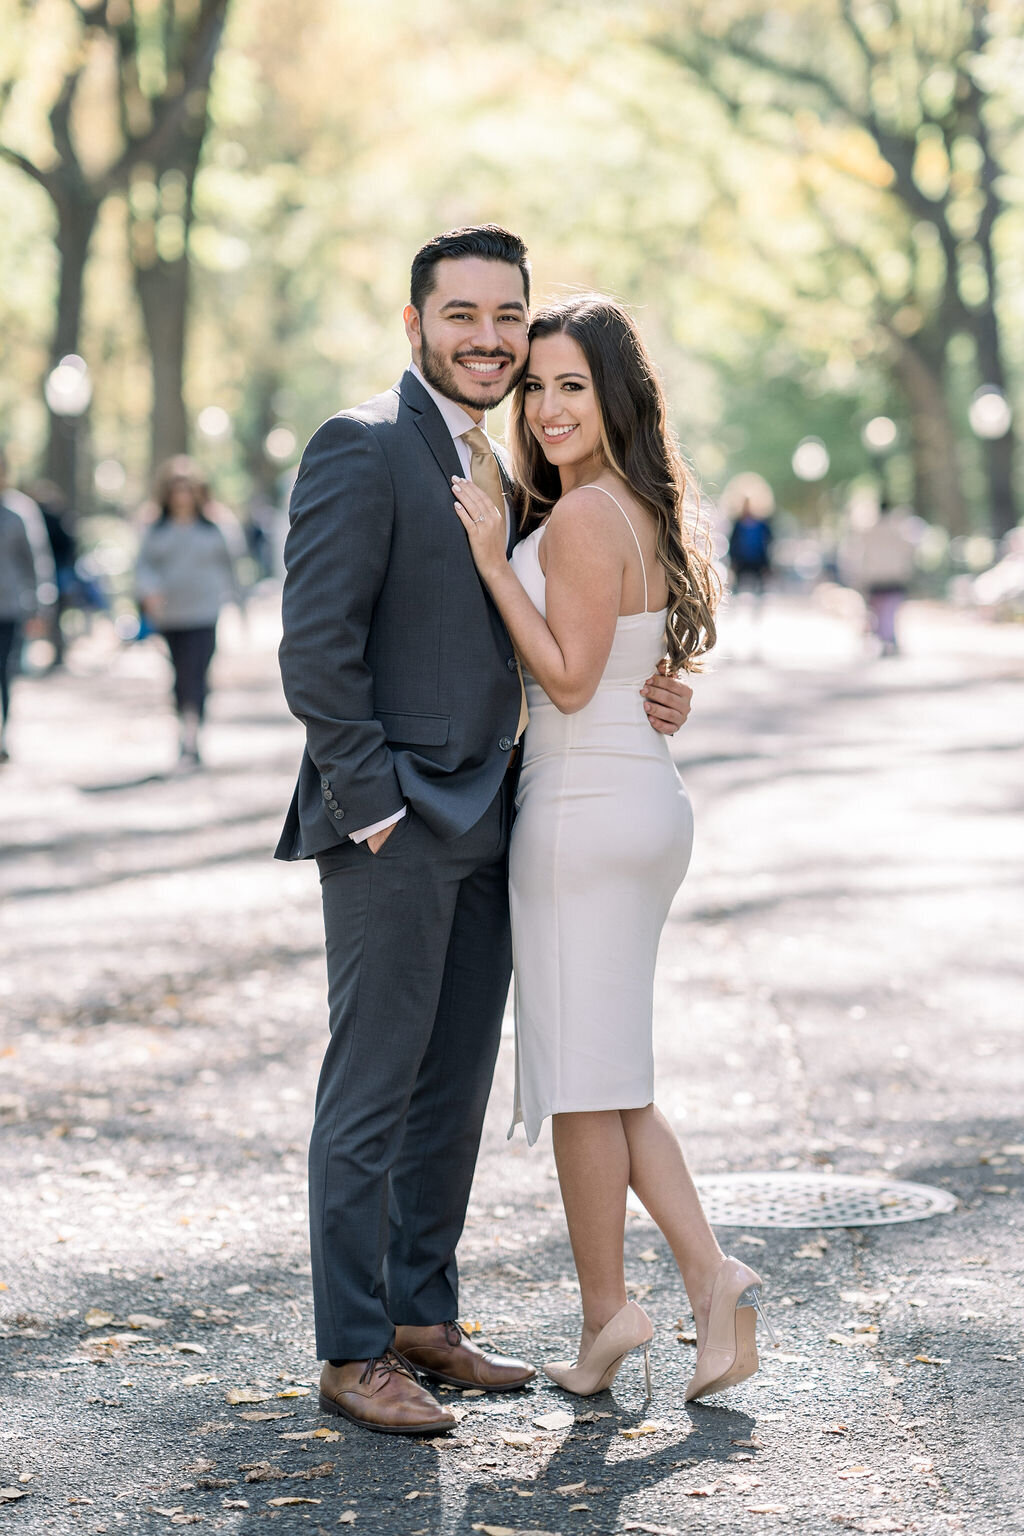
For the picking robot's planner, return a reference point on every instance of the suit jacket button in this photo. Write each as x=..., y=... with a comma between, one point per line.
x=505, y=743
x=339, y=815
x=325, y=783
x=333, y=804
x=511, y=664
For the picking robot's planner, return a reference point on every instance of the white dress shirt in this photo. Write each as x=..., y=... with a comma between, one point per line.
x=457, y=421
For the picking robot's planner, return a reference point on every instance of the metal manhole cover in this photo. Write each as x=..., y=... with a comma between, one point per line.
x=816, y=1200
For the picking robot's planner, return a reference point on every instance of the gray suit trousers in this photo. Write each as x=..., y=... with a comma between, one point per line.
x=418, y=961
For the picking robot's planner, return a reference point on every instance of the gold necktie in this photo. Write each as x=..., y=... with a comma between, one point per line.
x=484, y=472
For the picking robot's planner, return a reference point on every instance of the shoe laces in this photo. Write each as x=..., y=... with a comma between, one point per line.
x=385, y=1365
x=454, y=1333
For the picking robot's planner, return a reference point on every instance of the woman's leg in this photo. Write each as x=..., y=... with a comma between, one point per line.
x=592, y=1158
x=661, y=1179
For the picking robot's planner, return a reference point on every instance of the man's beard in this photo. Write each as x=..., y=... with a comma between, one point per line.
x=440, y=372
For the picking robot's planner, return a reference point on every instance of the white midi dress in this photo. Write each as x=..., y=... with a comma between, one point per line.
x=600, y=845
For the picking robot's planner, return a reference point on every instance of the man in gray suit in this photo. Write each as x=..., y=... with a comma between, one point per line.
x=399, y=666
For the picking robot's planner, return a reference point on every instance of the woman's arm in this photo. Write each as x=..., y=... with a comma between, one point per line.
x=566, y=652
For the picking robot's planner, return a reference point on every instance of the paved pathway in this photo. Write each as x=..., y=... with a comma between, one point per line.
x=839, y=990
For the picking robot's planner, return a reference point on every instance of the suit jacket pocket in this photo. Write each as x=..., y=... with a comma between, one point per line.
x=414, y=729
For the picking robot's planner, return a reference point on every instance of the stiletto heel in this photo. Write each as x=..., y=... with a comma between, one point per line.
x=647, y=1369
x=627, y=1330
x=729, y=1354
x=752, y=1298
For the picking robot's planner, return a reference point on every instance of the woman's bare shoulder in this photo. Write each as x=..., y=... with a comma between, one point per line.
x=587, y=508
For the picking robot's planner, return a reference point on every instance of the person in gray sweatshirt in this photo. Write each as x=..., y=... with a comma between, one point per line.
x=19, y=600
x=184, y=575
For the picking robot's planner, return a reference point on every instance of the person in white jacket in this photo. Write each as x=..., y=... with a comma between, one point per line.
x=879, y=560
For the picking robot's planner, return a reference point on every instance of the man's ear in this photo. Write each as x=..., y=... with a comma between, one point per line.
x=411, y=317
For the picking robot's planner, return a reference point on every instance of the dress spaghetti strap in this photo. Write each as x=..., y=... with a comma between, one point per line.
x=632, y=530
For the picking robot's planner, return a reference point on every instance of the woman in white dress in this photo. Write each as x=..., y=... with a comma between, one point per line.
x=607, y=581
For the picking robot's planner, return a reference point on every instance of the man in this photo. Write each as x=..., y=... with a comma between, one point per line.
x=400, y=667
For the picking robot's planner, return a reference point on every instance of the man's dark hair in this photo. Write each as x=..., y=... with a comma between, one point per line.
x=488, y=241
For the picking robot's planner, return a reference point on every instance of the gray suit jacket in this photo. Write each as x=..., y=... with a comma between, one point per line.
x=394, y=656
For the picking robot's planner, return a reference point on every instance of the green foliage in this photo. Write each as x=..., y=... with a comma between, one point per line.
x=751, y=213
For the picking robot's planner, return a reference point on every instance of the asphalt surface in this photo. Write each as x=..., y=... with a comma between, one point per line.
x=839, y=991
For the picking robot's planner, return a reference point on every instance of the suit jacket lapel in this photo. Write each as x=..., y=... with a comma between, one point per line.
x=512, y=493
x=431, y=425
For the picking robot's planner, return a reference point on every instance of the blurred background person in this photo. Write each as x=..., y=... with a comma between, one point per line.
x=56, y=514
x=879, y=558
x=21, y=582
x=184, y=576
x=750, y=550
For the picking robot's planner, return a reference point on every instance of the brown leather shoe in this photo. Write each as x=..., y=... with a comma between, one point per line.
x=383, y=1395
x=444, y=1353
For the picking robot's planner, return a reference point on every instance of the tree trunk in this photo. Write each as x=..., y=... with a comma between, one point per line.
x=940, y=496
x=76, y=219
x=163, y=294
x=998, y=453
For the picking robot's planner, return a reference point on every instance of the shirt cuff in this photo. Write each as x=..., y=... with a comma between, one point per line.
x=378, y=826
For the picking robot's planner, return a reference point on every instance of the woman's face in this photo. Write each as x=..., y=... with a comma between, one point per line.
x=181, y=500
x=560, y=403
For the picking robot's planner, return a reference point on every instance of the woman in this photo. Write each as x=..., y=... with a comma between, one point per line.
x=606, y=581
x=185, y=573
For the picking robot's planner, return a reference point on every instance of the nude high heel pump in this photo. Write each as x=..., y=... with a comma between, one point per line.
x=627, y=1330
x=729, y=1354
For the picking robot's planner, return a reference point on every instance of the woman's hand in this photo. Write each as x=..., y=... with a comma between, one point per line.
x=484, y=524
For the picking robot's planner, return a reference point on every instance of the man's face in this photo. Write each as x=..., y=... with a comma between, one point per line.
x=470, y=339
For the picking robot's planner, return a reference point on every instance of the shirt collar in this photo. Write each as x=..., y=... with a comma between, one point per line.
x=455, y=418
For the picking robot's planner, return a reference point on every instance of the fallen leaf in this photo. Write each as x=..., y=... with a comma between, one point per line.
x=415, y=1494
x=327, y=1434
x=348, y=1518
x=928, y=1360
x=169, y=1510
x=185, y=1348
x=571, y=1488
x=995, y=1189
x=753, y=1444
x=10, y=1495
x=234, y=1504
x=292, y=1499
x=474, y=1392
x=198, y=1379
x=648, y=1256
x=559, y=1419
x=235, y=1395
x=767, y=1509
x=686, y=1338
x=575, y=1508
x=496, y=1530
x=701, y=1493
x=143, y=1320
x=755, y=1242
x=322, y=1469
x=655, y=1530
x=238, y=1290
x=851, y=1339
x=471, y=1327
x=648, y=1427
x=261, y=1472
x=848, y=1472
x=294, y=1392
x=835, y=1429
x=521, y=1442
x=96, y=1318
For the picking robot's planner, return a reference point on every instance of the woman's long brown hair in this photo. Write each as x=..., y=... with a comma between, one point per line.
x=639, y=446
